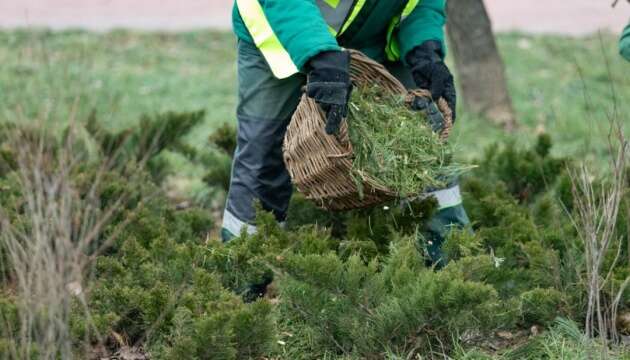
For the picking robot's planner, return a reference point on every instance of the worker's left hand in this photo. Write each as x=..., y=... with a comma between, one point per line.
x=430, y=72
x=329, y=85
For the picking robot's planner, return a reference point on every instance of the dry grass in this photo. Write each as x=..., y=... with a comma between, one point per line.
x=51, y=250
x=597, y=210
x=596, y=217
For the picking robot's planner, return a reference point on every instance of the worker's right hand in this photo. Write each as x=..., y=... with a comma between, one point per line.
x=430, y=110
x=430, y=72
x=329, y=85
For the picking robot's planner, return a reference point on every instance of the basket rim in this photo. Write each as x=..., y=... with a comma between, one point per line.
x=321, y=166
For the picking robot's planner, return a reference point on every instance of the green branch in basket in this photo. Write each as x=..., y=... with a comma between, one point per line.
x=395, y=145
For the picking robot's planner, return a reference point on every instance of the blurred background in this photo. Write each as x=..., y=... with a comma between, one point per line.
x=126, y=110
x=555, y=16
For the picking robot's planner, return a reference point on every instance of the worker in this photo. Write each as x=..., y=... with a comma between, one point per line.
x=624, y=43
x=286, y=45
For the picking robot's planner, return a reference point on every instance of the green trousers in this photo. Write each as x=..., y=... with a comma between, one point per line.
x=265, y=107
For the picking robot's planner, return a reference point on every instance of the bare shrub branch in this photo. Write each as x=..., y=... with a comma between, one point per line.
x=595, y=219
x=51, y=251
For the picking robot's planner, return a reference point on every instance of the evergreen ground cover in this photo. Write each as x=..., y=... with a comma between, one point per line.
x=349, y=285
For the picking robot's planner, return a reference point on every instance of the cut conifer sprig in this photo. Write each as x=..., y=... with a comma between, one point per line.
x=395, y=146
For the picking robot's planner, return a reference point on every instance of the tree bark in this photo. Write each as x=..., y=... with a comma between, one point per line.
x=479, y=66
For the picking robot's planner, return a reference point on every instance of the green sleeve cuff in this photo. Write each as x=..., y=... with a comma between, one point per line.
x=300, y=28
x=304, y=57
x=426, y=22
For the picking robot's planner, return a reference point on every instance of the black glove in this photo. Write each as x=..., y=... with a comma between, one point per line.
x=431, y=73
x=431, y=111
x=329, y=85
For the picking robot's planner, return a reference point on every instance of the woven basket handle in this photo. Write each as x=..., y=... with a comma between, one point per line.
x=442, y=105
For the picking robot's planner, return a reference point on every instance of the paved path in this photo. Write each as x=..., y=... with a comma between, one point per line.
x=575, y=17
x=109, y=14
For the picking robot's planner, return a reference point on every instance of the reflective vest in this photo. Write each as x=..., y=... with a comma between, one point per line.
x=338, y=14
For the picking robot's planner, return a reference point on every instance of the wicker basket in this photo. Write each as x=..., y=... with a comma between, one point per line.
x=320, y=165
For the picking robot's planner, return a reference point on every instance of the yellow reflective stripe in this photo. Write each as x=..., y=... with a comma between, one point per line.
x=332, y=31
x=333, y=3
x=411, y=5
x=267, y=42
x=392, y=49
x=355, y=12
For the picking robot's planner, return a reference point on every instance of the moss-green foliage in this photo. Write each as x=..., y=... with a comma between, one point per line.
x=334, y=300
x=529, y=235
x=7, y=159
x=218, y=163
x=356, y=285
x=146, y=140
x=224, y=138
x=243, y=333
x=461, y=244
x=302, y=212
x=541, y=306
x=347, y=285
x=8, y=321
x=364, y=309
x=151, y=283
x=525, y=173
x=394, y=146
x=154, y=285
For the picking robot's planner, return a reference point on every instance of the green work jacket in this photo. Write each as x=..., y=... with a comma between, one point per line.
x=303, y=32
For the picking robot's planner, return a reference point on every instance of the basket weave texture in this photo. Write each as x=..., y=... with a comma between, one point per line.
x=320, y=165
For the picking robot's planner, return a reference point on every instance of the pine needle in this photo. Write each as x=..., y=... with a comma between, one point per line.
x=395, y=146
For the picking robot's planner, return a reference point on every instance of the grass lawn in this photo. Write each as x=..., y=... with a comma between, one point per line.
x=120, y=74
x=559, y=85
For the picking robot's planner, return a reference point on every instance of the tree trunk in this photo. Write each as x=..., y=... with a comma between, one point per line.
x=479, y=65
